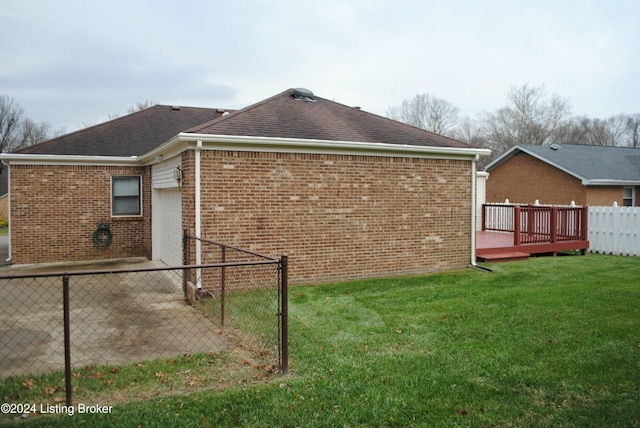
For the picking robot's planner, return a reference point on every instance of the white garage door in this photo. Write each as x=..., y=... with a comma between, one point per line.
x=167, y=227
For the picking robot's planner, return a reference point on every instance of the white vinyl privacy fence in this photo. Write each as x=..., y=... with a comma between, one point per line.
x=614, y=230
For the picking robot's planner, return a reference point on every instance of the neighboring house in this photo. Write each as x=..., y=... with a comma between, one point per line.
x=566, y=173
x=347, y=194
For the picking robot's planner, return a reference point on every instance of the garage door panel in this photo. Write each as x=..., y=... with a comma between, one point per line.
x=168, y=215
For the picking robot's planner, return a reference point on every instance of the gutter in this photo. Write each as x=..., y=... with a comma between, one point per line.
x=294, y=145
x=33, y=159
x=185, y=141
x=609, y=182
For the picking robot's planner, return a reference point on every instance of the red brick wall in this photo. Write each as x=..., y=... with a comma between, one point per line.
x=338, y=217
x=55, y=209
x=604, y=195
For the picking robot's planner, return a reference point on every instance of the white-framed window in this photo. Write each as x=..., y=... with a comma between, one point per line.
x=126, y=195
x=629, y=197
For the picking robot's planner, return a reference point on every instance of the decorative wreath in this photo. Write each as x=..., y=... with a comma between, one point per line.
x=102, y=236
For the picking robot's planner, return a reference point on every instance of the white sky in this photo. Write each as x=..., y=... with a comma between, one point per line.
x=75, y=62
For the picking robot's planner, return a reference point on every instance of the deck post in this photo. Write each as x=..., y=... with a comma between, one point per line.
x=553, y=226
x=531, y=221
x=585, y=223
x=516, y=225
x=484, y=217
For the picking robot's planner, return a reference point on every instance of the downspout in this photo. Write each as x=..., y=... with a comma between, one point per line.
x=474, y=201
x=473, y=210
x=198, y=217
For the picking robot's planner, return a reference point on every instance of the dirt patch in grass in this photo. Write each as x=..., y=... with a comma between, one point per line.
x=164, y=377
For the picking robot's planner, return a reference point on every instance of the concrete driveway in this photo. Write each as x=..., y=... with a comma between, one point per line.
x=115, y=318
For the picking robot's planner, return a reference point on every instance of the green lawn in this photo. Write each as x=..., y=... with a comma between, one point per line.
x=546, y=342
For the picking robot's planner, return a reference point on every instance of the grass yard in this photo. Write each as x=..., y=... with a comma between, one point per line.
x=546, y=342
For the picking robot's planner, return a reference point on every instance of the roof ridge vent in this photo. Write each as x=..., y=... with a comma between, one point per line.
x=175, y=108
x=303, y=94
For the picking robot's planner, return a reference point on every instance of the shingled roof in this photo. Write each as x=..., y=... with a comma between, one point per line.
x=290, y=115
x=131, y=135
x=591, y=164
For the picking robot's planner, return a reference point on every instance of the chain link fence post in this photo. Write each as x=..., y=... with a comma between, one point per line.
x=284, y=313
x=67, y=339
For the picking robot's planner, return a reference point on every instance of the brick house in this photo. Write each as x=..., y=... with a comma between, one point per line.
x=347, y=194
x=562, y=173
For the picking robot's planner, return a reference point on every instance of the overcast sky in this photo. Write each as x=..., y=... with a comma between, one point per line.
x=75, y=62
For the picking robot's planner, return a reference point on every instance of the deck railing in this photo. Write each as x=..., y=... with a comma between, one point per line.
x=532, y=224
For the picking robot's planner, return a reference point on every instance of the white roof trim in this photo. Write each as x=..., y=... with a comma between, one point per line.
x=185, y=141
x=610, y=182
x=36, y=159
x=293, y=145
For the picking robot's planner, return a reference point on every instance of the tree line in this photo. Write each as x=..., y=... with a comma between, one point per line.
x=16, y=130
x=530, y=116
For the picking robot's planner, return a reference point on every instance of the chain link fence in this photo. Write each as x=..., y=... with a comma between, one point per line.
x=244, y=296
x=63, y=321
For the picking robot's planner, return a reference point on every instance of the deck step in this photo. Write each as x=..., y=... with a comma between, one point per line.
x=507, y=256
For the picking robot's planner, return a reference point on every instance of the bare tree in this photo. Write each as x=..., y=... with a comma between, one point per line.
x=17, y=132
x=606, y=132
x=32, y=133
x=470, y=131
x=139, y=106
x=633, y=130
x=427, y=112
x=10, y=117
x=530, y=117
x=619, y=130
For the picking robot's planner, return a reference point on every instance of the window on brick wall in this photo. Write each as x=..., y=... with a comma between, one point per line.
x=126, y=197
x=629, y=197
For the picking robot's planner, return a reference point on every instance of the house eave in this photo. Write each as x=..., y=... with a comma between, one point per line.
x=292, y=145
x=38, y=159
x=184, y=141
x=610, y=182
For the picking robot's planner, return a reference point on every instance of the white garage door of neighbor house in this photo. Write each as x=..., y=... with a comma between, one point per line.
x=168, y=230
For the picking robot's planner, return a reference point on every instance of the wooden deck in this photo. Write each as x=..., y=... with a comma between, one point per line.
x=494, y=247
x=513, y=232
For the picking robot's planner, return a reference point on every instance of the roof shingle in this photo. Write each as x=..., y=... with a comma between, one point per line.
x=131, y=135
x=283, y=116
